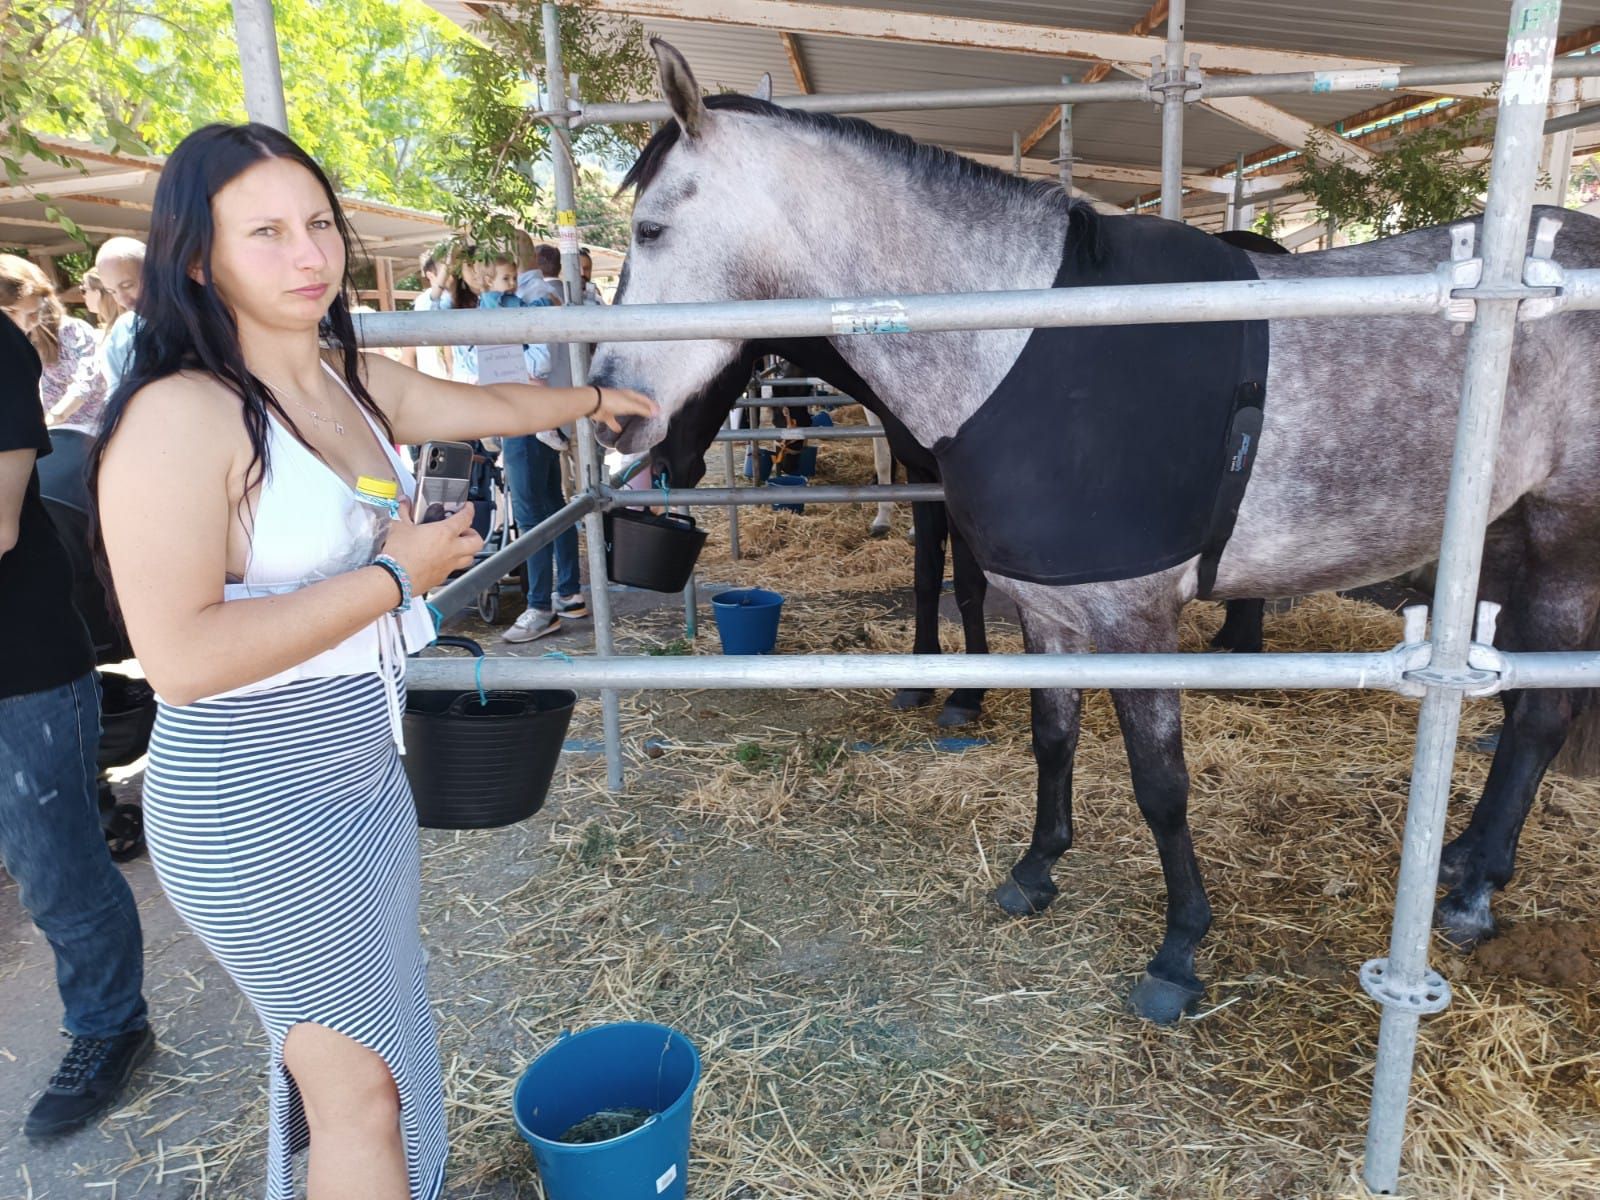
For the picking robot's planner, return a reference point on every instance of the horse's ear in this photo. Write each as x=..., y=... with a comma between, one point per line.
x=679, y=88
x=764, y=88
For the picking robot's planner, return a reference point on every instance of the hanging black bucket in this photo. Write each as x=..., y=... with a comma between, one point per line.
x=476, y=765
x=651, y=551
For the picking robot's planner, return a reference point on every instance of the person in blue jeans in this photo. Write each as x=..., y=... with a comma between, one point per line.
x=533, y=472
x=50, y=837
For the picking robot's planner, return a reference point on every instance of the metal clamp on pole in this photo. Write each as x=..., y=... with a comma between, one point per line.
x=1541, y=270
x=1189, y=81
x=1432, y=997
x=1486, y=672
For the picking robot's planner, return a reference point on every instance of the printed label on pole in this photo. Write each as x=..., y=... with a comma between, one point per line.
x=502, y=364
x=1527, y=71
x=567, y=231
x=873, y=316
x=1381, y=79
x=664, y=1180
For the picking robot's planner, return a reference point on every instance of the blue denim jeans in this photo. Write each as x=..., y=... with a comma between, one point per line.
x=533, y=471
x=52, y=845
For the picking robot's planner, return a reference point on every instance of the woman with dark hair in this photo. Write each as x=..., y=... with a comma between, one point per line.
x=274, y=629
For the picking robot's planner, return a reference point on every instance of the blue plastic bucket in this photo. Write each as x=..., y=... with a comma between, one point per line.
x=747, y=620
x=821, y=420
x=803, y=463
x=794, y=481
x=629, y=1064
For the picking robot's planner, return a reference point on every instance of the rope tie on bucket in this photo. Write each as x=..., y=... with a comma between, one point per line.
x=477, y=679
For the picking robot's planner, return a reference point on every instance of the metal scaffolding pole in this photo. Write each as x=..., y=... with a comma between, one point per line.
x=799, y=433
x=901, y=493
x=1423, y=294
x=1387, y=79
x=591, y=461
x=258, y=63
x=1174, y=89
x=1064, y=144
x=730, y=482
x=1403, y=984
x=1386, y=670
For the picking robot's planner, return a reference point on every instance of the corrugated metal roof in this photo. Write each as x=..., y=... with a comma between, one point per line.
x=727, y=57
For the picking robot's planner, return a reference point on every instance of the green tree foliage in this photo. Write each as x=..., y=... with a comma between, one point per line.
x=1419, y=180
x=496, y=161
x=366, y=82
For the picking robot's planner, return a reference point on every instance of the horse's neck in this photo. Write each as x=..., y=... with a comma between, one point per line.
x=919, y=240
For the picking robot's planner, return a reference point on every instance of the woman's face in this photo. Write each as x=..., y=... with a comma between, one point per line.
x=93, y=296
x=25, y=312
x=277, y=258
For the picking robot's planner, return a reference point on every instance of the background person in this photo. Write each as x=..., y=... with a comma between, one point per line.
x=120, y=264
x=435, y=295
x=71, y=389
x=50, y=836
x=102, y=305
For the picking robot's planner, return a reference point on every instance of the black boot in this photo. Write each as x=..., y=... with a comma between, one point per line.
x=89, y=1081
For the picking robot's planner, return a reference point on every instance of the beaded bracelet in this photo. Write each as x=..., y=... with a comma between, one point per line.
x=401, y=577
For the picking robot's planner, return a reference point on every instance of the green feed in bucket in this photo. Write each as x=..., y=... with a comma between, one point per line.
x=604, y=1125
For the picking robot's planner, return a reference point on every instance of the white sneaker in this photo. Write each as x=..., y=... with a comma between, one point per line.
x=553, y=438
x=572, y=606
x=533, y=624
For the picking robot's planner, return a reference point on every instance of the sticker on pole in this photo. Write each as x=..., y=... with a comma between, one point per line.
x=872, y=316
x=1380, y=79
x=567, y=231
x=1527, y=78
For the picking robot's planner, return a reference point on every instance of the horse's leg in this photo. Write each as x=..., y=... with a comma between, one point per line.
x=1055, y=743
x=1152, y=731
x=883, y=465
x=927, y=578
x=1548, y=572
x=1241, y=627
x=972, y=588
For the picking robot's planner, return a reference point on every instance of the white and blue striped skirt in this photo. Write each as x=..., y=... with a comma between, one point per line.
x=282, y=829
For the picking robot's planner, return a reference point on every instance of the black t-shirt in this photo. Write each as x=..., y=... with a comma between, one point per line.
x=43, y=641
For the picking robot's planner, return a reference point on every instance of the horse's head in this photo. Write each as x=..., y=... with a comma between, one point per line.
x=709, y=223
x=680, y=452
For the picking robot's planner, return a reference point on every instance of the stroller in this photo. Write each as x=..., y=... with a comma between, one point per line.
x=127, y=705
x=493, y=520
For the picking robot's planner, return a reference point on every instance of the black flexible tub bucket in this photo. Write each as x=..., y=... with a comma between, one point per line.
x=647, y=550
x=482, y=766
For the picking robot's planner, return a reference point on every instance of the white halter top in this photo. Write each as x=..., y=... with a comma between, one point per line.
x=309, y=526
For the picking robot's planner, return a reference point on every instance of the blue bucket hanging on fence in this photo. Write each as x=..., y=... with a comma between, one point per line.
x=621, y=1066
x=747, y=620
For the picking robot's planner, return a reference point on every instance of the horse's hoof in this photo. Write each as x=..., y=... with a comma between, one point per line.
x=1161, y=1000
x=1018, y=900
x=907, y=698
x=1465, y=924
x=878, y=531
x=953, y=716
x=1236, y=645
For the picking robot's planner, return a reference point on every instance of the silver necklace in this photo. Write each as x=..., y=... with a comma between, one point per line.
x=319, y=418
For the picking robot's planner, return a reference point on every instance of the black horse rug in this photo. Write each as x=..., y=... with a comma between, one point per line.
x=1110, y=452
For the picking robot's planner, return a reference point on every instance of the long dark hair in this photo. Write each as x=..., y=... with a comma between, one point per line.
x=185, y=326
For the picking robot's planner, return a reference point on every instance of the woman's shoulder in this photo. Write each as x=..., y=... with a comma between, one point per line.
x=194, y=407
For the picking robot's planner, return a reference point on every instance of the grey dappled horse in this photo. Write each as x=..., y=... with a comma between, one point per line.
x=740, y=200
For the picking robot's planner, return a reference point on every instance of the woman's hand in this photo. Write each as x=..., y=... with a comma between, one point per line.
x=430, y=553
x=616, y=403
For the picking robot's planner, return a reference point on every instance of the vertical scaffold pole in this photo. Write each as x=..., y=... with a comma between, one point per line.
x=1236, y=217
x=1064, y=145
x=257, y=35
x=1403, y=983
x=591, y=463
x=1172, y=117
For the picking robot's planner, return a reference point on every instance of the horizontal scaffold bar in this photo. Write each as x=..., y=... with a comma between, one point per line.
x=1216, y=87
x=799, y=433
x=1151, y=303
x=1377, y=670
x=900, y=493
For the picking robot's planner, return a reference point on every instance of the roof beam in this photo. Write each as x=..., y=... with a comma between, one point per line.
x=1143, y=27
x=1256, y=114
x=797, y=63
x=58, y=189
x=1105, y=172
x=1046, y=41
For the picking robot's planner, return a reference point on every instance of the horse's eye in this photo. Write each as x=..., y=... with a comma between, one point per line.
x=648, y=231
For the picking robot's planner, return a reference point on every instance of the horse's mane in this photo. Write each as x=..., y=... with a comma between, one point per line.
x=930, y=163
